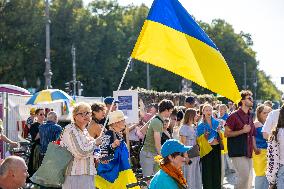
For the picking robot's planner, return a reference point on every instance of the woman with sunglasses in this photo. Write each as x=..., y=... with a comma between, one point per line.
x=34, y=159
x=170, y=175
x=75, y=137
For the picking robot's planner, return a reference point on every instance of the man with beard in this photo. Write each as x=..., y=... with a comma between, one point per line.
x=240, y=131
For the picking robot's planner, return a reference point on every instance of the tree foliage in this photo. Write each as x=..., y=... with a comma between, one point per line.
x=104, y=34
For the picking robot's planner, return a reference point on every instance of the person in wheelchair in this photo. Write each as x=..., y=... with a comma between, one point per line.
x=170, y=175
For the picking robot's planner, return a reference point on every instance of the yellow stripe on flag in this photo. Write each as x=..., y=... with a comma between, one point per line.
x=125, y=177
x=186, y=56
x=204, y=146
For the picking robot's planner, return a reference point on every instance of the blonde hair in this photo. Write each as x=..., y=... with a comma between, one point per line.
x=79, y=106
x=203, y=108
x=223, y=106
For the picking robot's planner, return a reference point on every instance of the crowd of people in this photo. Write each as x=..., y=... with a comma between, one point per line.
x=192, y=146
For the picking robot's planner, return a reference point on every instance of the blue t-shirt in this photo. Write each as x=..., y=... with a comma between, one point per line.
x=224, y=117
x=162, y=180
x=202, y=127
x=260, y=141
x=48, y=132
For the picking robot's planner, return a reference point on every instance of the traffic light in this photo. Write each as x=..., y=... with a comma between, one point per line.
x=68, y=88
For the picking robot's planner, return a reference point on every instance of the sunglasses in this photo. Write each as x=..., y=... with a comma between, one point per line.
x=180, y=154
x=249, y=98
x=84, y=114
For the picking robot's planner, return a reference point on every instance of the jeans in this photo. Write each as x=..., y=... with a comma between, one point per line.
x=280, y=177
x=261, y=182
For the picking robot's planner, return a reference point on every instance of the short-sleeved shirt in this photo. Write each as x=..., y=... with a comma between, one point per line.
x=271, y=121
x=224, y=117
x=156, y=125
x=48, y=132
x=189, y=133
x=241, y=145
x=259, y=140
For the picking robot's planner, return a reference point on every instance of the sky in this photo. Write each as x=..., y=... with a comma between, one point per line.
x=263, y=19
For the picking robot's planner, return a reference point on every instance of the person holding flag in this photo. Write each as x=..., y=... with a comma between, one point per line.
x=114, y=170
x=208, y=132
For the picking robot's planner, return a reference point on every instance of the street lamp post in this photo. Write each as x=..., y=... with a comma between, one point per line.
x=73, y=52
x=47, y=73
x=38, y=83
x=24, y=82
x=245, y=75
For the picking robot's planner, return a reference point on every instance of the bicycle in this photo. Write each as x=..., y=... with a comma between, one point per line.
x=23, y=150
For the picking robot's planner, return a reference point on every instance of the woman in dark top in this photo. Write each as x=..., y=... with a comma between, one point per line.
x=34, y=160
x=165, y=135
x=98, y=114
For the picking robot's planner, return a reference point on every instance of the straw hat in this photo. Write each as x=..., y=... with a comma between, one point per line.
x=116, y=116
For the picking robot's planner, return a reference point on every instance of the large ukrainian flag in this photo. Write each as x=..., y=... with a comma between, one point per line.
x=117, y=173
x=172, y=40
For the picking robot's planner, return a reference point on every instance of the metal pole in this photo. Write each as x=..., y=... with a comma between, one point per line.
x=148, y=77
x=245, y=75
x=6, y=117
x=73, y=51
x=255, y=84
x=47, y=73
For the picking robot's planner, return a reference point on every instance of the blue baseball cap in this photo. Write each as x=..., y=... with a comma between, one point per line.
x=109, y=100
x=171, y=146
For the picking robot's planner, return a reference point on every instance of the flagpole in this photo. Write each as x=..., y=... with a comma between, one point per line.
x=119, y=86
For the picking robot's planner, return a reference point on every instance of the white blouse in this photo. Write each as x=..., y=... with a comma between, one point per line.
x=82, y=147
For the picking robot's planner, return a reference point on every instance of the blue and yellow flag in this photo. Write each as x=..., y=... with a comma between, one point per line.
x=172, y=40
x=117, y=173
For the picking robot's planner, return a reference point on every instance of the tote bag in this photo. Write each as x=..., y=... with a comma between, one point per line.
x=51, y=173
